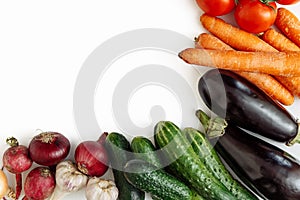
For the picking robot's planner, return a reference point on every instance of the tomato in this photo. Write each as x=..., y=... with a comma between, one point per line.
x=287, y=2
x=254, y=16
x=216, y=7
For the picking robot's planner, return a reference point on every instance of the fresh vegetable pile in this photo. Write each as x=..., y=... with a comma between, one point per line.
x=254, y=16
x=255, y=74
x=53, y=176
x=269, y=60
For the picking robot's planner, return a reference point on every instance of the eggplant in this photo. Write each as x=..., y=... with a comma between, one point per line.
x=244, y=105
x=268, y=170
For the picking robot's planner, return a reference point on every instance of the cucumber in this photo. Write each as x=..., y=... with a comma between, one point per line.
x=147, y=152
x=119, y=150
x=157, y=182
x=213, y=163
x=186, y=164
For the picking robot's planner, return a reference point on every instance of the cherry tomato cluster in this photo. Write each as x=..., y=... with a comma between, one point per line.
x=254, y=16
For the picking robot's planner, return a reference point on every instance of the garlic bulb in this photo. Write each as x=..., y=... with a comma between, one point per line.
x=98, y=188
x=68, y=179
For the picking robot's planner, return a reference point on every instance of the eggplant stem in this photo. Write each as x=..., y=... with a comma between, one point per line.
x=214, y=127
x=203, y=117
x=297, y=138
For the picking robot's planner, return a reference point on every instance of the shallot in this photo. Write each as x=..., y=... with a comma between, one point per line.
x=39, y=184
x=16, y=160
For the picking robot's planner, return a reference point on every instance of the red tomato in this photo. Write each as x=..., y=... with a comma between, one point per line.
x=216, y=7
x=287, y=2
x=254, y=16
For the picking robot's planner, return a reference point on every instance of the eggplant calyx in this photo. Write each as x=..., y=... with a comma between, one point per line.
x=214, y=127
x=296, y=139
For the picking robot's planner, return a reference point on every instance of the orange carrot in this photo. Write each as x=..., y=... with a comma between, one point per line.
x=292, y=83
x=279, y=41
x=265, y=82
x=233, y=36
x=208, y=41
x=288, y=24
x=274, y=63
x=240, y=40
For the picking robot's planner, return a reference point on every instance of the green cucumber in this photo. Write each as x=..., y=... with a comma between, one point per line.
x=119, y=150
x=147, y=152
x=213, y=163
x=157, y=182
x=186, y=164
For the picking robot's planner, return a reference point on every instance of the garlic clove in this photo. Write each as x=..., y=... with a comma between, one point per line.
x=98, y=188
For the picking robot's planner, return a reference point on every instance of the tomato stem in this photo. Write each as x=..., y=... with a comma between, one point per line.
x=267, y=3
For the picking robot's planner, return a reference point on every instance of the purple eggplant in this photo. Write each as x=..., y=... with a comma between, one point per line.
x=266, y=169
x=244, y=105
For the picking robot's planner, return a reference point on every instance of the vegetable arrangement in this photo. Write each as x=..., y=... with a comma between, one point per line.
x=182, y=163
x=269, y=61
x=254, y=16
x=255, y=74
x=54, y=176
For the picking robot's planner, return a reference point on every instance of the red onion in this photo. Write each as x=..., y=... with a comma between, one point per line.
x=91, y=157
x=16, y=160
x=49, y=148
x=39, y=184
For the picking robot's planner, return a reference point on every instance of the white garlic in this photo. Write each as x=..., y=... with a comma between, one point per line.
x=100, y=189
x=68, y=179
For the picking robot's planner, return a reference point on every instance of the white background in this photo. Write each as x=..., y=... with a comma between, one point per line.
x=43, y=45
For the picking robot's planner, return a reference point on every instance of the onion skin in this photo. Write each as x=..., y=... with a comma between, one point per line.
x=49, y=148
x=91, y=157
x=39, y=184
x=3, y=184
x=16, y=159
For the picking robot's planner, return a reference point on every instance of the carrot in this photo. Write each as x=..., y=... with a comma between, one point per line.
x=288, y=24
x=208, y=41
x=292, y=83
x=265, y=82
x=241, y=40
x=233, y=36
x=279, y=41
x=274, y=63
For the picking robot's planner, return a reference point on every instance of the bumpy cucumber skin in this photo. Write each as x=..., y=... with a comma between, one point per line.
x=119, y=158
x=148, y=178
x=143, y=145
x=213, y=163
x=186, y=164
x=145, y=150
